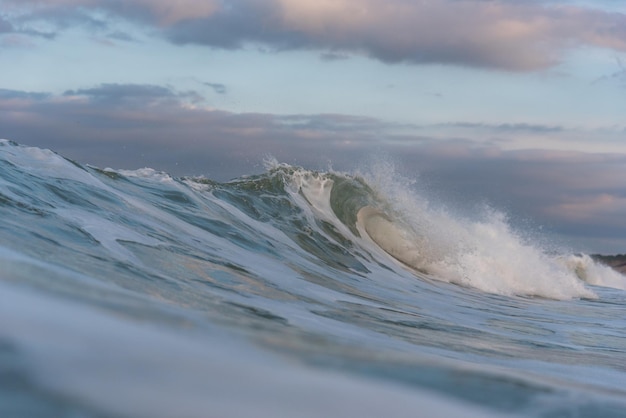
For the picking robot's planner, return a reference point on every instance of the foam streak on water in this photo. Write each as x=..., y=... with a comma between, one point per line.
x=291, y=293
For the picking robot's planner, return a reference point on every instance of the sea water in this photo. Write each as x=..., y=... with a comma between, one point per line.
x=291, y=293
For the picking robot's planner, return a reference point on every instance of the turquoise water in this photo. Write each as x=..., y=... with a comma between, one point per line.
x=291, y=293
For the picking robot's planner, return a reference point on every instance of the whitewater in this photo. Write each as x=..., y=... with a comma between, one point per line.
x=292, y=293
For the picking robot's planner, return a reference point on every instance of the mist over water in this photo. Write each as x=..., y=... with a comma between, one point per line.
x=290, y=293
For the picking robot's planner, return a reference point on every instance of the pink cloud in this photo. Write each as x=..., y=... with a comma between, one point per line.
x=508, y=35
x=513, y=36
x=586, y=208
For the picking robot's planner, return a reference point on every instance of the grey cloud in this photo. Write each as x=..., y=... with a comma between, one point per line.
x=120, y=36
x=217, y=87
x=37, y=33
x=97, y=14
x=338, y=123
x=136, y=94
x=333, y=56
x=238, y=23
x=528, y=127
x=57, y=18
x=507, y=127
x=5, y=26
x=17, y=94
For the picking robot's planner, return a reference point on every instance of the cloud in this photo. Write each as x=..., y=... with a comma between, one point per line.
x=334, y=123
x=157, y=12
x=584, y=208
x=333, y=56
x=506, y=127
x=13, y=94
x=217, y=87
x=145, y=95
x=162, y=12
x=504, y=35
x=120, y=36
x=12, y=100
x=619, y=75
x=5, y=26
x=8, y=28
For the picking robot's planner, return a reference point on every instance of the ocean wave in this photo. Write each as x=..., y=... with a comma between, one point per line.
x=338, y=220
x=118, y=279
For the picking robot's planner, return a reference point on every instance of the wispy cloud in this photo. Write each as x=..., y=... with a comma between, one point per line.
x=11, y=94
x=218, y=88
x=120, y=36
x=5, y=26
x=111, y=94
x=8, y=27
x=506, y=127
x=505, y=35
x=618, y=75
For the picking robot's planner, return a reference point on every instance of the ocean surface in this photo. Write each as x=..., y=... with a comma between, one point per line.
x=292, y=293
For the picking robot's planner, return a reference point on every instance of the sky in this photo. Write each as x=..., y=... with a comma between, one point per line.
x=516, y=103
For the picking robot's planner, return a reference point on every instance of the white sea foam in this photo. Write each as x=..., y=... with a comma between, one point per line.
x=316, y=189
x=109, y=234
x=46, y=163
x=146, y=173
x=486, y=254
x=592, y=272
